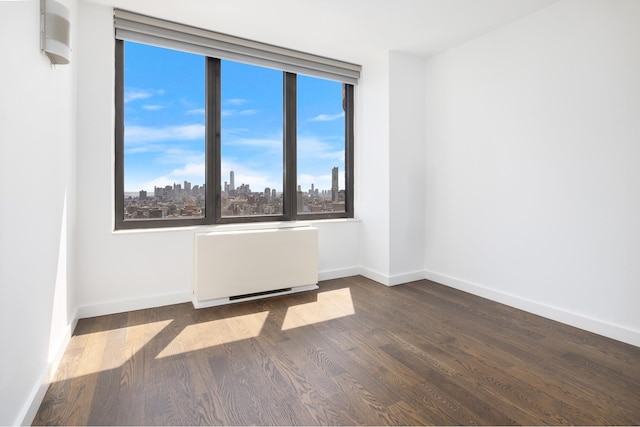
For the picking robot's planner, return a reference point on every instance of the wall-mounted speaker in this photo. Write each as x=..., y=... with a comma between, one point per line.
x=54, y=31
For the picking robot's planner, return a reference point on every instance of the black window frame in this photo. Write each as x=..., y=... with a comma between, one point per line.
x=213, y=179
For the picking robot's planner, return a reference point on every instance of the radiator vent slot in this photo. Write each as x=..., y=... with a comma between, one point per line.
x=259, y=294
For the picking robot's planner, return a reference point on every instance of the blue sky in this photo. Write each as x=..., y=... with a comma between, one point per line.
x=164, y=123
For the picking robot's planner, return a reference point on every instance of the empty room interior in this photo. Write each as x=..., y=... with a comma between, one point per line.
x=460, y=246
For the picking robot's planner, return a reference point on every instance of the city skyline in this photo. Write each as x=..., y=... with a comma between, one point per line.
x=230, y=185
x=188, y=201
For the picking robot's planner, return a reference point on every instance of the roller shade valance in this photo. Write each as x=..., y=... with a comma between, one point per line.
x=144, y=29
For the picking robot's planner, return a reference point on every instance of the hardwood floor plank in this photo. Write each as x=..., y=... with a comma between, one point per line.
x=367, y=409
x=234, y=398
x=367, y=352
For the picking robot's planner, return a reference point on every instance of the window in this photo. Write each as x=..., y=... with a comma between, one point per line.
x=214, y=129
x=320, y=146
x=251, y=141
x=164, y=135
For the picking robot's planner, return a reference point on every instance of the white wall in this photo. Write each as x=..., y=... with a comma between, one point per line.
x=372, y=167
x=37, y=213
x=134, y=269
x=406, y=168
x=532, y=148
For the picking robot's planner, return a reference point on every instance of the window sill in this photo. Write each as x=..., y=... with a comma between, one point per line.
x=237, y=227
x=272, y=225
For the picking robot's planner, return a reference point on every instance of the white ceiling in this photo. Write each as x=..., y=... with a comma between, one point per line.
x=419, y=27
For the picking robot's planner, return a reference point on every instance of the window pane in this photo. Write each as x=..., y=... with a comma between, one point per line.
x=251, y=140
x=321, y=146
x=164, y=133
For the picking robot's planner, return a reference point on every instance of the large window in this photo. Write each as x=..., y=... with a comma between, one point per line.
x=204, y=136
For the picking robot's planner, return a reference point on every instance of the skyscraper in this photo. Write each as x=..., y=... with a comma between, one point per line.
x=334, y=184
x=232, y=184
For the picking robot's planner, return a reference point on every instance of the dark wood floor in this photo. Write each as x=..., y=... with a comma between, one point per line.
x=351, y=353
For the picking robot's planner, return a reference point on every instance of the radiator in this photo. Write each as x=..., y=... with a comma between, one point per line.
x=233, y=266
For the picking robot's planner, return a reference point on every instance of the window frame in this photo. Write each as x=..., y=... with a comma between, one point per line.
x=213, y=179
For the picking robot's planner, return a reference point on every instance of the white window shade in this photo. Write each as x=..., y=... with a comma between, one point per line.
x=144, y=29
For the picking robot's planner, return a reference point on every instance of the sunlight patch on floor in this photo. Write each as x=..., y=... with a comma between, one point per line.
x=100, y=351
x=330, y=305
x=215, y=332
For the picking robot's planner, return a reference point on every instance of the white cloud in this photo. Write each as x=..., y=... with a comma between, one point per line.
x=145, y=148
x=233, y=132
x=316, y=158
x=327, y=117
x=140, y=134
x=191, y=169
x=152, y=107
x=315, y=148
x=231, y=112
x=235, y=101
x=178, y=156
x=133, y=94
x=196, y=111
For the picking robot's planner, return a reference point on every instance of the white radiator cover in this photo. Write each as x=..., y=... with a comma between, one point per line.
x=235, y=263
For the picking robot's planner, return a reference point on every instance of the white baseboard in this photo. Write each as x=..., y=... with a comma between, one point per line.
x=396, y=279
x=561, y=315
x=141, y=303
x=338, y=274
x=400, y=279
x=375, y=276
x=30, y=409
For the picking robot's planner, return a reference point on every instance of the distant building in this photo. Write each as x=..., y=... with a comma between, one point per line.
x=334, y=184
x=300, y=204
